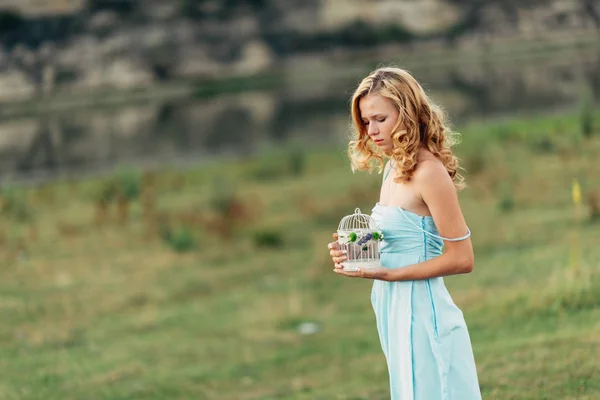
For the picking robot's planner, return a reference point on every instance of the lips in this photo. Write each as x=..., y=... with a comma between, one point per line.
x=379, y=141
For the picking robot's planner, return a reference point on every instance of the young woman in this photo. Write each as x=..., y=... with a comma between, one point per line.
x=423, y=333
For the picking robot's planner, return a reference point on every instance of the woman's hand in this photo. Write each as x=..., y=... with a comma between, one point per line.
x=336, y=254
x=367, y=273
x=339, y=257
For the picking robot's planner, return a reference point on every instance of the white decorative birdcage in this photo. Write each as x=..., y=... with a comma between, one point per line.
x=359, y=236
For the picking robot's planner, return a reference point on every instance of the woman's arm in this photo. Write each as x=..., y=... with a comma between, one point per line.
x=437, y=191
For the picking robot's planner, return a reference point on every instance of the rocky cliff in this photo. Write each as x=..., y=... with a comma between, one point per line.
x=64, y=45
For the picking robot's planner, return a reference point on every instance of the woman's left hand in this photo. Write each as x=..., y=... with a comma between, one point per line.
x=367, y=273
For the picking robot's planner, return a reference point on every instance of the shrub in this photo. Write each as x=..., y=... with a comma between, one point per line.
x=128, y=188
x=268, y=238
x=128, y=184
x=587, y=124
x=14, y=204
x=106, y=193
x=545, y=144
x=269, y=168
x=594, y=204
x=297, y=159
x=506, y=201
x=180, y=239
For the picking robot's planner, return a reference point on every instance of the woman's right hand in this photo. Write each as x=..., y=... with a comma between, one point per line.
x=338, y=256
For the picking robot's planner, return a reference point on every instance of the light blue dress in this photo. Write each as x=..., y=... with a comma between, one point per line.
x=423, y=333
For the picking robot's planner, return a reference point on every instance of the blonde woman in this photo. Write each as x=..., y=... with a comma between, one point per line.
x=423, y=333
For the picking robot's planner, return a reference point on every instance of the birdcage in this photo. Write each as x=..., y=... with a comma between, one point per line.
x=359, y=235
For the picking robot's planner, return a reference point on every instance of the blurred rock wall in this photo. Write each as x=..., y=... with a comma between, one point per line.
x=241, y=123
x=64, y=45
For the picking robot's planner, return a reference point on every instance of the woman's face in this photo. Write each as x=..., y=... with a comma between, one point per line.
x=379, y=117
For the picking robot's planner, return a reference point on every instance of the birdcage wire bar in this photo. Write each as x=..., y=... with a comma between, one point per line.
x=359, y=236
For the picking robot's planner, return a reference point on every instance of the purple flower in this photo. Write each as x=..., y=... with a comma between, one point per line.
x=365, y=239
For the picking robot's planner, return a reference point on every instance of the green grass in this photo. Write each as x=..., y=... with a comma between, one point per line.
x=102, y=310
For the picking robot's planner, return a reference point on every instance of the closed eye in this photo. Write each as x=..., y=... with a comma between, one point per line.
x=380, y=120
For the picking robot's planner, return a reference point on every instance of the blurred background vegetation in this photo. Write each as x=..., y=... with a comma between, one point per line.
x=171, y=172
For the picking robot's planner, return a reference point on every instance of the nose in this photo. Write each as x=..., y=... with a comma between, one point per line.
x=372, y=129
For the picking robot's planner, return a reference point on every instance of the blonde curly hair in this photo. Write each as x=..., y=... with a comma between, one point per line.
x=421, y=123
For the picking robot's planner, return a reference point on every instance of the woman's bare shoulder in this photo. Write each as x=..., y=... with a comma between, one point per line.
x=426, y=155
x=430, y=169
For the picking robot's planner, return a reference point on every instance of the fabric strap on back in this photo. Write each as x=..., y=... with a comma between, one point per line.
x=433, y=234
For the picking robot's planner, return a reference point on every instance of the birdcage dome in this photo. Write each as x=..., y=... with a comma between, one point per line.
x=359, y=236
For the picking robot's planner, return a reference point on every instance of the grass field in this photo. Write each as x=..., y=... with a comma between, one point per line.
x=215, y=283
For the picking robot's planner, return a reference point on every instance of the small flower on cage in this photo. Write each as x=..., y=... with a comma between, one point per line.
x=365, y=239
x=352, y=237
